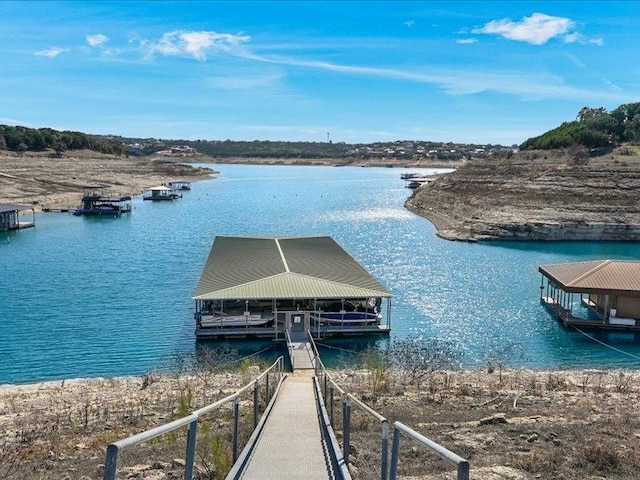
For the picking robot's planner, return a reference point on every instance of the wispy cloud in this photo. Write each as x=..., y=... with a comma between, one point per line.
x=466, y=41
x=575, y=60
x=537, y=29
x=51, y=52
x=235, y=82
x=97, y=40
x=194, y=44
x=611, y=85
x=462, y=81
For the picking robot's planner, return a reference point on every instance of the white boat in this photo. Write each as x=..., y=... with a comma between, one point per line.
x=346, y=317
x=224, y=320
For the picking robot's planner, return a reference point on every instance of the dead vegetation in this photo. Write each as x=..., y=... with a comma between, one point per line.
x=510, y=424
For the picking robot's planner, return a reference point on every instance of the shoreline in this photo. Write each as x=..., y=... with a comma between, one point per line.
x=509, y=423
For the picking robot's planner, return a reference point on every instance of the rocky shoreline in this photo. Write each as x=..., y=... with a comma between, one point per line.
x=536, y=196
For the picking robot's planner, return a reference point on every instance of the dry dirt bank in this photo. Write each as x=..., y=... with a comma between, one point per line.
x=536, y=197
x=39, y=180
x=518, y=425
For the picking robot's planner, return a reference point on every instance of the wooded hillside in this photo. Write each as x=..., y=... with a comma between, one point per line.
x=593, y=128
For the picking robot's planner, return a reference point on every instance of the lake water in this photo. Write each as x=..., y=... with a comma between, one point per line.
x=82, y=297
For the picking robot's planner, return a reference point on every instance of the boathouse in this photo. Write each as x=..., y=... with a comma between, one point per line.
x=10, y=216
x=96, y=202
x=161, y=193
x=597, y=294
x=269, y=287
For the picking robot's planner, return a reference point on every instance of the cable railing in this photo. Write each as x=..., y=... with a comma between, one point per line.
x=191, y=421
x=349, y=400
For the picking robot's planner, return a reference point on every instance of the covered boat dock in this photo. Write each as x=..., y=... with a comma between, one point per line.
x=274, y=287
x=603, y=294
x=10, y=217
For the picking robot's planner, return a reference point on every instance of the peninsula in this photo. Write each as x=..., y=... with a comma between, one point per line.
x=537, y=195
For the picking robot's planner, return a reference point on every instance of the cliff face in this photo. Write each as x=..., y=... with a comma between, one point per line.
x=532, y=197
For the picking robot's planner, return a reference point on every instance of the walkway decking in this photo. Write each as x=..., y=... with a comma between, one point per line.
x=301, y=352
x=290, y=446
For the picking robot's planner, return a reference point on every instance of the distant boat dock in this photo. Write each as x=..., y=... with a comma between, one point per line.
x=10, y=217
x=96, y=202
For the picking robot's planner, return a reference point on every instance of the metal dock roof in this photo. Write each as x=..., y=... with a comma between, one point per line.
x=283, y=267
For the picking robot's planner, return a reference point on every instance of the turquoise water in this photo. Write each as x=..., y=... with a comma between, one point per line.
x=84, y=297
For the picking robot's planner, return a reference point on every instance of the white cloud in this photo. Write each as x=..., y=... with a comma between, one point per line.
x=537, y=29
x=196, y=45
x=97, y=39
x=51, y=52
x=466, y=41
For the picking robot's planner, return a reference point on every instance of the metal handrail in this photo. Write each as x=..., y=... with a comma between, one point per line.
x=347, y=400
x=447, y=455
x=113, y=450
x=337, y=460
x=290, y=348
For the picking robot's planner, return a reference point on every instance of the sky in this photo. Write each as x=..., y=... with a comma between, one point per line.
x=356, y=72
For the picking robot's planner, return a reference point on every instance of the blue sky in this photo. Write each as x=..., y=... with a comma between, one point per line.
x=474, y=72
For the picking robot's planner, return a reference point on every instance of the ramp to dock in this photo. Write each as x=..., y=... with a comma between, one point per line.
x=300, y=352
x=290, y=445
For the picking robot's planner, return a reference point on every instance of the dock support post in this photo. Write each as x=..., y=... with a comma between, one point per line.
x=236, y=415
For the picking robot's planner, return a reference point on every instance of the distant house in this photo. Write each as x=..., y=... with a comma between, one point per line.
x=10, y=216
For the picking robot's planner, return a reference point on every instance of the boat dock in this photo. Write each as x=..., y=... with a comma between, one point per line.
x=96, y=203
x=10, y=217
x=600, y=294
x=266, y=287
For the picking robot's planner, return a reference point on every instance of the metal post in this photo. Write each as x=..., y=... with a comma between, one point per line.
x=463, y=471
x=394, y=454
x=191, y=450
x=267, y=385
x=111, y=463
x=384, y=451
x=331, y=393
x=325, y=387
x=236, y=415
x=346, y=420
x=255, y=405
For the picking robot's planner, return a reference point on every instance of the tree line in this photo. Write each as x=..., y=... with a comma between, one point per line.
x=22, y=139
x=593, y=128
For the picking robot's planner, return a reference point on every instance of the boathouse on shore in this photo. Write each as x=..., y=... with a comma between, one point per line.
x=269, y=287
x=10, y=216
x=596, y=294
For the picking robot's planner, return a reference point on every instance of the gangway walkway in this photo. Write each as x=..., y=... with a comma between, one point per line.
x=290, y=445
x=300, y=351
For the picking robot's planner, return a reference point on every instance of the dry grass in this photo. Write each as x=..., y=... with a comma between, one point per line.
x=559, y=424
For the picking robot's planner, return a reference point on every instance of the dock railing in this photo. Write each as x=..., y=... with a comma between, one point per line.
x=460, y=463
x=330, y=387
x=191, y=421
